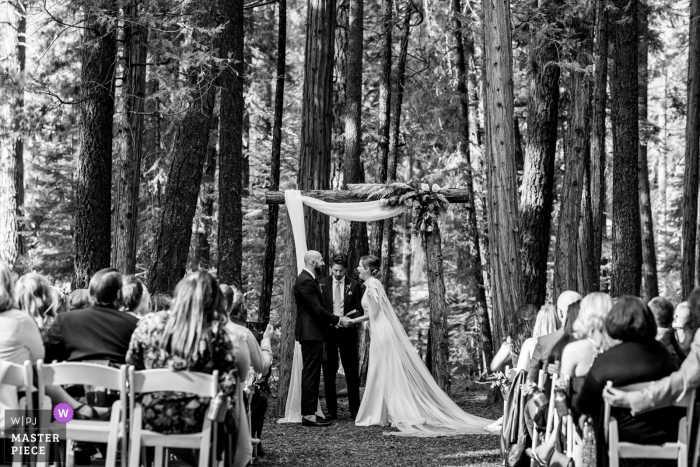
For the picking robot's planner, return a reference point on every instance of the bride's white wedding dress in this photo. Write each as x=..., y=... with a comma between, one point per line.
x=400, y=391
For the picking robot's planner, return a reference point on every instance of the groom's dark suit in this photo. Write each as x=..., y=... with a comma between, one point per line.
x=313, y=322
x=345, y=341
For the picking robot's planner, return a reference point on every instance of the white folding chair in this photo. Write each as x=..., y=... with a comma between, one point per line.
x=674, y=450
x=163, y=380
x=93, y=431
x=19, y=376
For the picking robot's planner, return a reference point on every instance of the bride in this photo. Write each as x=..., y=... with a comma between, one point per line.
x=400, y=391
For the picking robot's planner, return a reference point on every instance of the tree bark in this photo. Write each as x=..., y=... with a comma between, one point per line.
x=474, y=277
x=566, y=261
x=538, y=174
x=94, y=166
x=126, y=204
x=650, y=284
x=287, y=322
x=230, y=235
x=598, y=155
x=207, y=196
x=501, y=175
x=377, y=232
x=692, y=146
x=388, y=235
x=268, y=271
x=174, y=223
x=440, y=353
x=626, y=244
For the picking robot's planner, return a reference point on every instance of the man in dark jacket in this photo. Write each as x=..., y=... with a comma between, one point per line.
x=313, y=322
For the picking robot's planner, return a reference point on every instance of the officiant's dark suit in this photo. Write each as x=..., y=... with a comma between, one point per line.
x=343, y=340
x=313, y=322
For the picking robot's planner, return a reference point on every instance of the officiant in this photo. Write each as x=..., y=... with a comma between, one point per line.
x=343, y=296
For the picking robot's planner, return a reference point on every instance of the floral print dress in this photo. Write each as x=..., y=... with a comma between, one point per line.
x=178, y=412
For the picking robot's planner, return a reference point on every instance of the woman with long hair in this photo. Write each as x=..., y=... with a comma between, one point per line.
x=511, y=350
x=400, y=391
x=34, y=295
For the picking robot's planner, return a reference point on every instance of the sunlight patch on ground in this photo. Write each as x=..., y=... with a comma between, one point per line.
x=480, y=453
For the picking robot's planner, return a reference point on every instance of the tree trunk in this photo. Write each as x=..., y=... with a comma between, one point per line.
x=174, y=223
x=566, y=265
x=94, y=167
x=126, y=204
x=440, y=355
x=207, y=197
x=388, y=235
x=501, y=177
x=287, y=322
x=268, y=271
x=587, y=274
x=626, y=241
x=377, y=231
x=474, y=277
x=598, y=155
x=13, y=23
x=315, y=157
x=540, y=148
x=650, y=284
x=353, y=171
x=230, y=235
x=692, y=145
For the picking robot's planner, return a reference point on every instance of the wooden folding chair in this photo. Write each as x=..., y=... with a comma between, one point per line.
x=94, y=431
x=163, y=380
x=674, y=450
x=19, y=376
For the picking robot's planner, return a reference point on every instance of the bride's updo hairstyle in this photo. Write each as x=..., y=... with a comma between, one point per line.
x=372, y=263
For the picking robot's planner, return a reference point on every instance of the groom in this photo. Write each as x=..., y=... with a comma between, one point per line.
x=313, y=321
x=343, y=297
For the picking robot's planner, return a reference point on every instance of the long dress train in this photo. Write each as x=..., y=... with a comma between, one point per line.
x=400, y=391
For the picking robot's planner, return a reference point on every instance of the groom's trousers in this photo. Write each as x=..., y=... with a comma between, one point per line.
x=345, y=341
x=312, y=357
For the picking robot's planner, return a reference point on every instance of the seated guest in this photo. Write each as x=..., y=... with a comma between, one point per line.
x=511, y=350
x=638, y=358
x=683, y=330
x=545, y=344
x=34, y=296
x=188, y=339
x=161, y=302
x=260, y=358
x=662, y=310
x=664, y=392
x=78, y=299
x=547, y=322
x=99, y=332
x=135, y=297
x=566, y=338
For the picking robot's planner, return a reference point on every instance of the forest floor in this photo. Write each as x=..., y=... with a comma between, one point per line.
x=344, y=444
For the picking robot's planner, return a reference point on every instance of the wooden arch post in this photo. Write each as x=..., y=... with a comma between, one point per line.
x=436, y=292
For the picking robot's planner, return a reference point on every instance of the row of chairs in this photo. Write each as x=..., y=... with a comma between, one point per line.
x=126, y=414
x=677, y=450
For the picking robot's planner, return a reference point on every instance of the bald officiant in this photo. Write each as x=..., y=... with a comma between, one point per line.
x=343, y=296
x=313, y=323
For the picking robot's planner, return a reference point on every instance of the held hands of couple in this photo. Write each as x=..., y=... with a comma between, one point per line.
x=344, y=322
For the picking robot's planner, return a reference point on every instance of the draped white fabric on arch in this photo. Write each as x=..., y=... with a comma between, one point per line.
x=369, y=211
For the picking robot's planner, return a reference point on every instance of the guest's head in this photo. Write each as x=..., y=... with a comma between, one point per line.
x=161, y=302
x=694, y=315
x=681, y=317
x=339, y=265
x=662, y=310
x=369, y=267
x=630, y=320
x=79, y=299
x=135, y=296
x=106, y=288
x=565, y=299
x=314, y=262
x=7, y=288
x=590, y=322
x=547, y=321
x=571, y=318
x=197, y=304
x=34, y=296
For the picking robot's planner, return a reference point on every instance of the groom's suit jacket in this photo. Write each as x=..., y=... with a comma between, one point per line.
x=352, y=291
x=313, y=319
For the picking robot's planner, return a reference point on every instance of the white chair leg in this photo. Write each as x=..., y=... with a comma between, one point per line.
x=683, y=456
x=158, y=461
